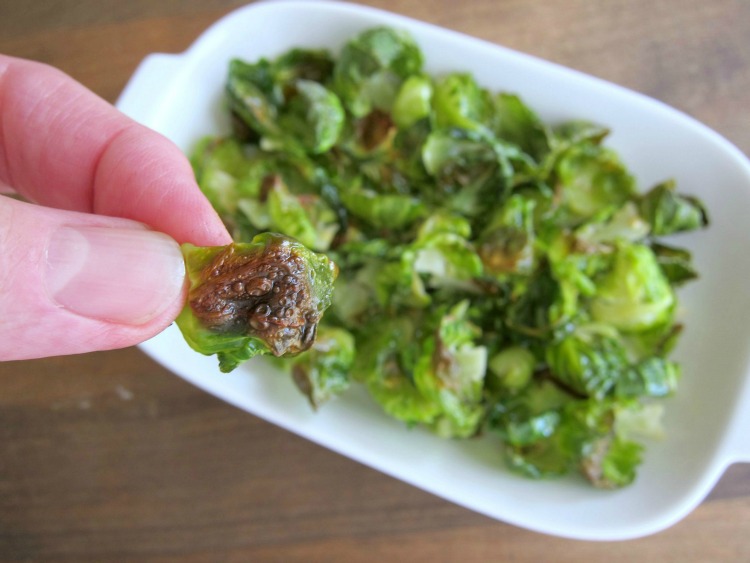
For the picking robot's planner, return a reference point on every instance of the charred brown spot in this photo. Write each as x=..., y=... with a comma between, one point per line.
x=374, y=129
x=445, y=364
x=265, y=294
x=503, y=250
x=268, y=184
x=592, y=465
x=302, y=380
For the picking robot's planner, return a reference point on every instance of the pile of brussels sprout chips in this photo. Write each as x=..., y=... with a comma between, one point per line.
x=497, y=274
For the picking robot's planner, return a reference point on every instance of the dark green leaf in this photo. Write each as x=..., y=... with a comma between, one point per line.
x=669, y=212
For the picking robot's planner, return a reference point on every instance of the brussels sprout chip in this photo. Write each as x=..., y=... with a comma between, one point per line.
x=245, y=299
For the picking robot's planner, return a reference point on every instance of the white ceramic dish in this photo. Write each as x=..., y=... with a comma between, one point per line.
x=707, y=423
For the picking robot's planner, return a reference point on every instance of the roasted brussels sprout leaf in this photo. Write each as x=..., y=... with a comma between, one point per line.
x=669, y=212
x=499, y=274
x=372, y=67
x=245, y=299
x=323, y=372
x=633, y=295
x=675, y=263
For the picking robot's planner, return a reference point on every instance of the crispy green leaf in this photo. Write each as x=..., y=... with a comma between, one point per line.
x=372, y=67
x=676, y=263
x=451, y=370
x=587, y=362
x=669, y=212
x=593, y=178
x=516, y=122
x=634, y=294
x=322, y=372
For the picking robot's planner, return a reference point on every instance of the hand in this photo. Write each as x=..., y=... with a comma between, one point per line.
x=96, y=264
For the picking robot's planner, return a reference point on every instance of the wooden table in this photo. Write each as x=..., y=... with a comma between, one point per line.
x=108, y=457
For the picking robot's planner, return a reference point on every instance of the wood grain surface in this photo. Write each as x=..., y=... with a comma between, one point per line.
x=108, y=457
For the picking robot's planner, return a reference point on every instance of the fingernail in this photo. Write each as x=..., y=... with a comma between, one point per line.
x=126, y=276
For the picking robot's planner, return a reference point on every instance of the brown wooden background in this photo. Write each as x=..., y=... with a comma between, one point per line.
x=108, y=457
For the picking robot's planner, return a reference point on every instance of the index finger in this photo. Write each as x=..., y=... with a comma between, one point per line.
x=63, y=146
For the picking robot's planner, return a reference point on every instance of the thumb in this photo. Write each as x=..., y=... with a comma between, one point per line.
x=72, y=282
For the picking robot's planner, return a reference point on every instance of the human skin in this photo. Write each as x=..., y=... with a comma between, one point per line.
x=90, y=260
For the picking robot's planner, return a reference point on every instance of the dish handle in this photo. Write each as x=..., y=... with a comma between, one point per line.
x=153, y=72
